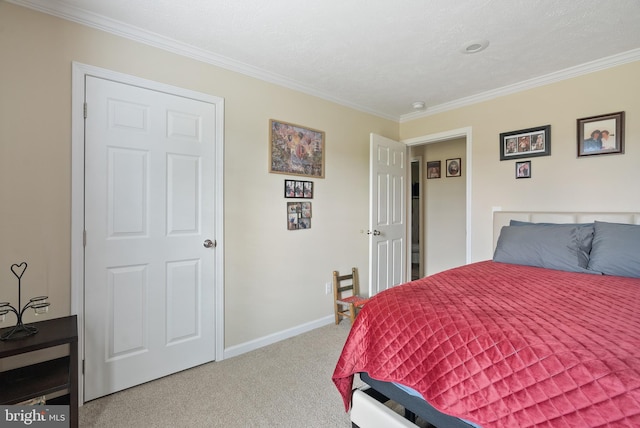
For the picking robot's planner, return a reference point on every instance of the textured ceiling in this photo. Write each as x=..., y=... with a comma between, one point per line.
x=377, y=55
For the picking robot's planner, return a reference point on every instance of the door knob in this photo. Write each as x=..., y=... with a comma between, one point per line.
x=374, y=233
x=208, y=243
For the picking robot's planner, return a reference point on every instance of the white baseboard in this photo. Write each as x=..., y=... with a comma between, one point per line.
x=234, y=351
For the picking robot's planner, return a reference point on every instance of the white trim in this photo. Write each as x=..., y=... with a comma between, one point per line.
x=79, y=71
x=558, y=76
x=252, y=345
x=77, y=213
x=75, y=14
x=450, y=135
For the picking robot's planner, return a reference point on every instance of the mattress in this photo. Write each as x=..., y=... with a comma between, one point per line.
x=506, y=345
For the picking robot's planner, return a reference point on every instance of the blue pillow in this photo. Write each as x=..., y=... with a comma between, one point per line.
x=552, y=246
x=616, y=249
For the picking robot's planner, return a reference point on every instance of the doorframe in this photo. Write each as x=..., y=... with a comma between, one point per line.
x=452, y=134
x=79, y=71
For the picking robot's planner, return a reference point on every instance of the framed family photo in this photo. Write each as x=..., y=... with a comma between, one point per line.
x=523, y=169
x=295, y=150
x=433, y=169
x=298, y=215
x=454, y=167
x=601, y=135
x=525, y=143
x=298, y=189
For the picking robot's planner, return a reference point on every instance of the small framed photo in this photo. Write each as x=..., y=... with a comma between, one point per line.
x=601, y=135
x=454, y=167
x=305, y=210
x=523, y=169
x=526, y=143
x=298, y=189
x=307, y=190
x=298, y=215
x=433, y=169
x=289, y=188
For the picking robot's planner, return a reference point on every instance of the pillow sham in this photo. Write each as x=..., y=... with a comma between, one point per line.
x=553, y=246
x=616, y=249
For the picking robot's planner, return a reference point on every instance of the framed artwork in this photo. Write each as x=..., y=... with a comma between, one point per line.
x=523, y=169
x=298, y=215
x=433, y=169
x=298, y=189
x=454, y=167
x=525, y=143
x=295, y=150
x=601, y=135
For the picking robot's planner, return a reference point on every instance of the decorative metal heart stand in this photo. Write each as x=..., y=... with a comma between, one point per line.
x=38, y=304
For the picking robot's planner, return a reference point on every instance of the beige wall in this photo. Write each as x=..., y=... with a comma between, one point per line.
x=560, y=181
x=274, y=278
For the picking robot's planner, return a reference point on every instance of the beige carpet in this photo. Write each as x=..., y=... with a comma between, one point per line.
x=287, y=384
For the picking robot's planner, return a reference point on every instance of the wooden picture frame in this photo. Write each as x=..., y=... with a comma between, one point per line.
x=454, y=167
x=601, y=135
x=525, y=143
x=296, y=150
x=433, y=169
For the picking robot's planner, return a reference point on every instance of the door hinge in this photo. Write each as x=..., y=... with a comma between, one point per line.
x=84, y=110
x=84, y=238
x=82, y=366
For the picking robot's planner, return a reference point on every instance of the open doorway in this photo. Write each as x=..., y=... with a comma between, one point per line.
x=444, y=201
x=416, y=218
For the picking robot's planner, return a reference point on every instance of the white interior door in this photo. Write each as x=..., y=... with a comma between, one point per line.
x=388, y=218
x=149, y=207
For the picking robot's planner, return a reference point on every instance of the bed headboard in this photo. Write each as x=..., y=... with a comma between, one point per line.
x=502, y=218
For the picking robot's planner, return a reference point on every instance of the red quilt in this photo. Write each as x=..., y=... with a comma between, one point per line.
x=506, y=346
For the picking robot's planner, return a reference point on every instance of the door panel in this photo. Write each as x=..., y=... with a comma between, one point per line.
x=387, y=224
x=127, y=311
x=149, y=192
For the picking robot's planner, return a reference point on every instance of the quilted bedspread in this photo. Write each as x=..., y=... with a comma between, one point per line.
x=506, y=346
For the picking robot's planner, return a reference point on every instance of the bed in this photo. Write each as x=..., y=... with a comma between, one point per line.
x=547, y=333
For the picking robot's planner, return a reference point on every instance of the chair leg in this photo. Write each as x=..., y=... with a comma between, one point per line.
x=336, y=309
x=352, y=312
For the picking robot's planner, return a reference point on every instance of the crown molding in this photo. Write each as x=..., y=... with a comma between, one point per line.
x=77, y=15
x=74, y=14
x=558, y=76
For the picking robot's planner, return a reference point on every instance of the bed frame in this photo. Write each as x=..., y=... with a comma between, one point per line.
x=362, y=415
x=367, y=407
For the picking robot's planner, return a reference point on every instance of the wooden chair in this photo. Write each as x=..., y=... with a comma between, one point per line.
x=346, y=306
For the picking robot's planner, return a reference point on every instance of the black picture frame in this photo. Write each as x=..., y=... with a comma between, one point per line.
x=523, y=169
x=298, y=189
x=525, y=143
x=591, y=134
